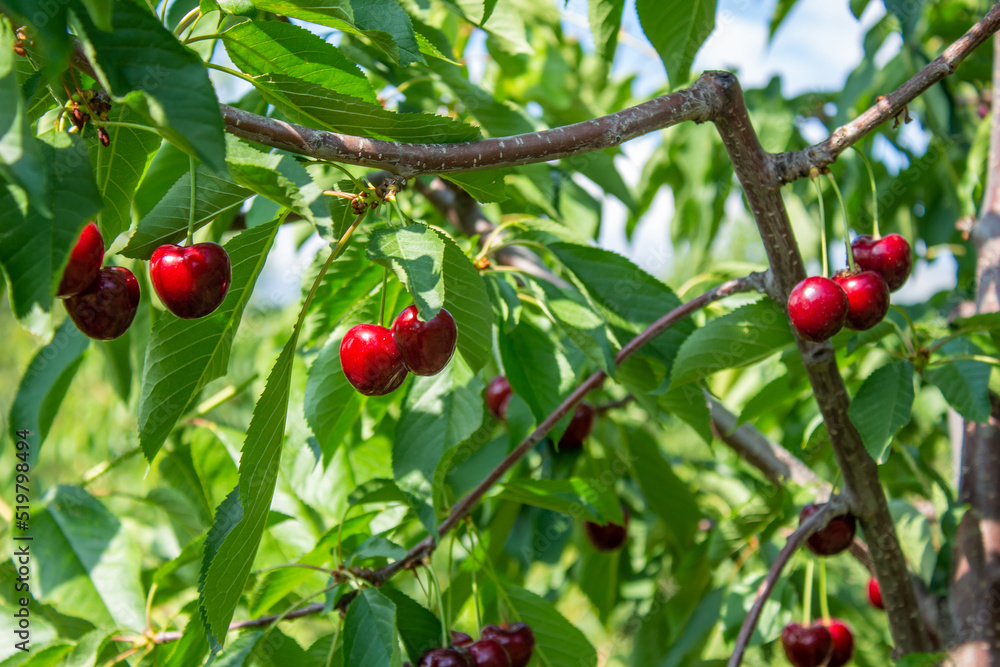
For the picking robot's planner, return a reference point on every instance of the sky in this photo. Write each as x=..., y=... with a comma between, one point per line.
x=817, y=46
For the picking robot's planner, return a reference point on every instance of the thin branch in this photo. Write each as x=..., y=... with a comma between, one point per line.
x=468, y=503
x=263, y=621
x=813, y=524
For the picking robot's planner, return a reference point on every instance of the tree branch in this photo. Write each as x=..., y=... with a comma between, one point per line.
x=816, y=522
x=462, y=509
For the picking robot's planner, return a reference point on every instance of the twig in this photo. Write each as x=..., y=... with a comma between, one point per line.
x=465, y=506
x=818, y=521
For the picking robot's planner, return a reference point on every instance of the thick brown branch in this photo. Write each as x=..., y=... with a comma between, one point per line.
x=468, y=503
x=814, y=523
x=863, y=488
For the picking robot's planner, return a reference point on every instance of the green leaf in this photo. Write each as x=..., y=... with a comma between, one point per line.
x=418, y=627
x=537, y=369
x=577, y=319
x=34, y=247
x=631, y=298
x=921, y=660
x=331, y=404
x=439, y=412
x=583, y=499
x=677, y=29
x=370, y=635
x=331, y=13
x=780, y=12
x=484, y=186
x=280, y=178
x=239, y=524
x=689, y=404
x=388, y=25
x=140, y=54
x=744, y=336
x=182, y=356
x=313, y=105
x=668, y=496
x=558, y=643
x=605, y=24
x=44, y=384
x=39, y=656
x=964, y=384
x=168, y=221
x=274, y=47
x=83, y=562
x=415, y=254
x=882, y=406
x=20, y=158
x=119, y=168
x=467, y=300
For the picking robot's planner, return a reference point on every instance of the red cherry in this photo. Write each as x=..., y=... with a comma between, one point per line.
x=489, y=653
x=843, y=642
x=427, y=347
x=518, y=639
x=609, y=537
x=875, y=593
x=867, y=296
x=446, y=657
x=371, y=361
x=192, y=281
x=579, y=428
x=889, y=256
x=130, y=282
x=460, y=639
x=498, y=393
x=807, y=647
x=105, y=309
x=818, y=308
x=833, y=539
x=84, y=262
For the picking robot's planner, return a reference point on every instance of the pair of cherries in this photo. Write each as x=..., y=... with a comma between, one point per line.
x=498, y=395
x=376, y=360
x=102, y=302
x=820, y=307
x=827, y=643
x=498, y=646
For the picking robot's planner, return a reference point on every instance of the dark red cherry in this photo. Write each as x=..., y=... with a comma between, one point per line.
x=875, y=593
x=371, y=361
x=889, y=256
x=446, y=657
x=105, y=309
x=609, y=537
x=460, y=639
x=833, y=539
x=489, y=653
x=867, y=297
x=817, y=307
x=517, y=639
x=843, y=642
x=579, y=428
x=191, y=281
x=498, y=393
x=807, y=647
x=427, y=347
x=84, y=262
x=130, y=282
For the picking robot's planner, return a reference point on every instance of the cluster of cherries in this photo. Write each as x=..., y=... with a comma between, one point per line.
x=819, y=307
x=498, y=646
x=827, y=642
x=102, y=302
x=376, y=360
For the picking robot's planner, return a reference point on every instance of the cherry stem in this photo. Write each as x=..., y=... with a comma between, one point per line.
x=381, y=306
x=807, y=596
x=194, y=195
x=824, y=602
x=871, y=179
x=822, y=228
x=445, y=638
x=847, y=227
